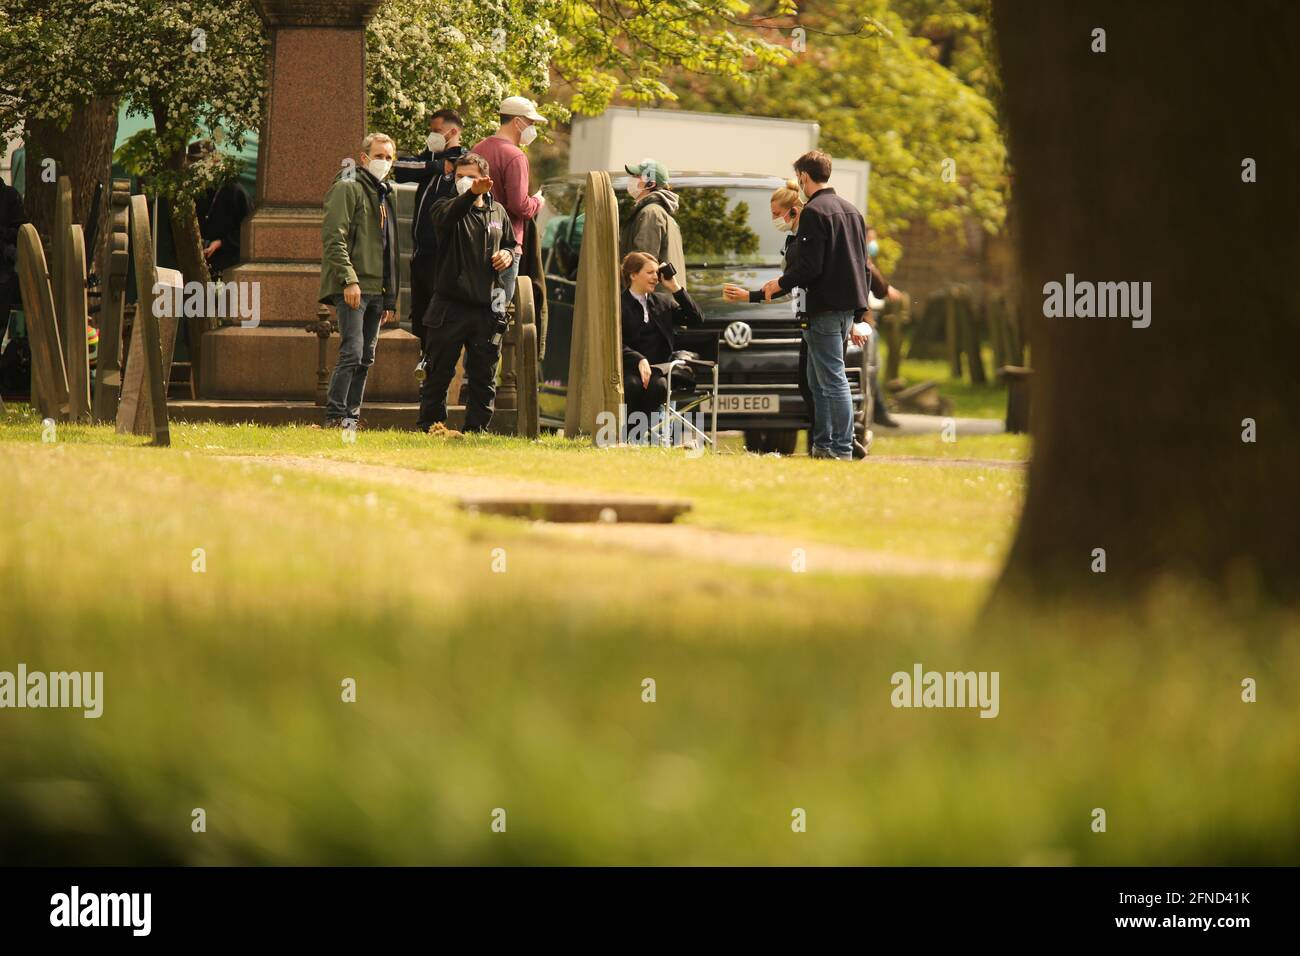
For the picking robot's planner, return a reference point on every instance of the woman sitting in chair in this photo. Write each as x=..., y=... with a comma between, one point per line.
x=648, y=321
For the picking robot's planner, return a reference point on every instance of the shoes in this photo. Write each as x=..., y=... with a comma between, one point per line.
x=440, y=430
x=819, y=452
x=880, y=416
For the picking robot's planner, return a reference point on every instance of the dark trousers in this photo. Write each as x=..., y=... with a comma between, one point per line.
x=651, y=398
x=469, y=328
x=421, y=293
x=805, y=390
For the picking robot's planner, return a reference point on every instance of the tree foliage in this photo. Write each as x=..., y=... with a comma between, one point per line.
x=906, y=84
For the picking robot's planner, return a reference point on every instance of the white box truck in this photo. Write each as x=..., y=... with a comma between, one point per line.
x=706, y=142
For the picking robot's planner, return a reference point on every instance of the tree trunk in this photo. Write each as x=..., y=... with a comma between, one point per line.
x=188, y=243
x=1129, y=167
x=83, y=151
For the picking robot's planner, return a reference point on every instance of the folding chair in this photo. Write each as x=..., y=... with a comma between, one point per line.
x=702, y=354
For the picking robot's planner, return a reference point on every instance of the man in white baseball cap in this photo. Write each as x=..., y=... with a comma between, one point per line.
x=511, y=172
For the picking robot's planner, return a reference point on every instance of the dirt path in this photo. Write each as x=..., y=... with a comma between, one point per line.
x=678, y=541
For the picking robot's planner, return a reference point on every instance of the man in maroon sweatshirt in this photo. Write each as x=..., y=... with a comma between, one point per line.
x=510, y=172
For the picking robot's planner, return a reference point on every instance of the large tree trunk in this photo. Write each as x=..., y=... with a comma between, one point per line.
x=1128, y=166
x=83, y=151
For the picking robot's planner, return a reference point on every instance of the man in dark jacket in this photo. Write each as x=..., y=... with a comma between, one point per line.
x=221, y=212
x=12, y=215
x=359, y=271
x=830, y=277
x=433, y=171
x=476, y=243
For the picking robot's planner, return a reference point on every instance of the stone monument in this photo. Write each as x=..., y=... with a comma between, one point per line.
x=315, y=118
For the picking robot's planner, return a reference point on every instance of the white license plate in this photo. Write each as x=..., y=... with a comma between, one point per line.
x=746, y=405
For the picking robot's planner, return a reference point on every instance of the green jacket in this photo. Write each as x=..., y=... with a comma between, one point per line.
x=351, y=240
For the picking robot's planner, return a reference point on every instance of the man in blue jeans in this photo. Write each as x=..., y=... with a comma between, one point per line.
x=827, y=276
x=359, y=271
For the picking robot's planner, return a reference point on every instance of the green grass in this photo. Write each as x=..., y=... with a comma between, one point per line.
x=522, y=690
x=969, y=401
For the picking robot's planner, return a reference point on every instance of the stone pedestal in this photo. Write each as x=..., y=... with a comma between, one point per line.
x=315, y=119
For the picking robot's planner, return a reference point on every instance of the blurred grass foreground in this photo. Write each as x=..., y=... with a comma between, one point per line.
x=312, y=656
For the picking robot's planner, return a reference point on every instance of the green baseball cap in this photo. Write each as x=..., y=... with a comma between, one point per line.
x=650, y=171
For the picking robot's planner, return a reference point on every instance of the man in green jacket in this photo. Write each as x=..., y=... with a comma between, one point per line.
x=359, y=272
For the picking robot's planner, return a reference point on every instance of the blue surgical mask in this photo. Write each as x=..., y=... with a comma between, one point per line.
x=873, y=248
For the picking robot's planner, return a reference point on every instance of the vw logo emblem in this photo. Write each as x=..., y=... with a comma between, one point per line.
x=738, y=335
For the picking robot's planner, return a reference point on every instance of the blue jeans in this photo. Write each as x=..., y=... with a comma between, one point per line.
x=832, y=400
x=358, y=335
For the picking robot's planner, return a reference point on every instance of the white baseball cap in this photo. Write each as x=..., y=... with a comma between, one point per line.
x=521, y=106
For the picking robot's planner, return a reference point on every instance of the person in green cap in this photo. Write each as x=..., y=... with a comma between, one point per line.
x=652, y=227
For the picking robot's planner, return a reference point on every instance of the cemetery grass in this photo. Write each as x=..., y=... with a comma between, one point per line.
x=522, y=690
x=968, y=400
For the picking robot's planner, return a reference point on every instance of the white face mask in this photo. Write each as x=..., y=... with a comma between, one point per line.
x=528, y=135
x=463, y=184
x=379, y=167
x=781, y=224
x=436, y=142
x=635, y=189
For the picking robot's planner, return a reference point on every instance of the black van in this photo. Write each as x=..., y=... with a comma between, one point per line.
x=726, y=224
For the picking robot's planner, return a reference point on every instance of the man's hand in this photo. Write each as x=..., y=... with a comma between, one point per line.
x=480, y=186
x=501, y=260
x=734, y=293
x=540, y=198
x=212, y=248
x=860, y=333
x=770, y=288
x=390, y=318
x=352, y=296
x=644, y=368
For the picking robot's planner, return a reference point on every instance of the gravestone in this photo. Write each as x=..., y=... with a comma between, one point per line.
x=58, y=255
x=595, y=355
x=108, y=366
x=49, y=379
x=75, y=316
x=527, y=422
x=144, y=384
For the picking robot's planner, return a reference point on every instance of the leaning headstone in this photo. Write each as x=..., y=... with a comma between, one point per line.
x=58, y=255
x=595, y=355
x=525, y=360
x=144, y=368
x=49, y=379
x=108, y=366
x=75, y=316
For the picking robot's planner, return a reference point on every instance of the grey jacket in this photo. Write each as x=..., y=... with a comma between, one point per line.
x=652, y=228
